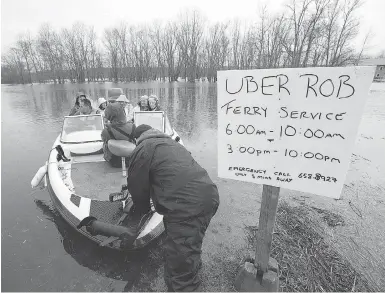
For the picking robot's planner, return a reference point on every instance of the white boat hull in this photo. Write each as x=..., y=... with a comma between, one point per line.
x=69, y=193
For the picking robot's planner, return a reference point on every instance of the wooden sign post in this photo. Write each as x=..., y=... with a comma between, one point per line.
x=262, y=275
x=269, y=204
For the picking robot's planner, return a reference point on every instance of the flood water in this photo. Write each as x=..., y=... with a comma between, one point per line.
x=40, y=252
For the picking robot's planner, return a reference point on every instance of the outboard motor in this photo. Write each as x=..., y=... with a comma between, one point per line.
x=127, y=235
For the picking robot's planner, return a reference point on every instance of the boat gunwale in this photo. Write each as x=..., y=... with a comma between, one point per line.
x=139, y=243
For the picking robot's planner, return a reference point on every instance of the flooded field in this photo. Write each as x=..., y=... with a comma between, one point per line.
x=40, y=252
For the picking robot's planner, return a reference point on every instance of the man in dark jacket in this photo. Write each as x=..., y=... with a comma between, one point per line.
x=182, y=191
x=118, y=129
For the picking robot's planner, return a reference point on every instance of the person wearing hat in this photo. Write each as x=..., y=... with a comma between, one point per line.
x=162, y=169
x=125, y=104
x=102, y=104
x=80, y=97
x=118, y=128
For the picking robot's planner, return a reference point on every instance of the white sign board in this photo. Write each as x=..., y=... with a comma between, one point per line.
x=293, y=128
x=153, y=118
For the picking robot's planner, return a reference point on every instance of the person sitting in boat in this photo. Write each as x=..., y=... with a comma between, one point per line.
x=125, y=104
x=102, y=105
x=118, y=128
x=142, y=104
x=79, y=99
x=86, y=108
x=153, y=103
x=182, y=191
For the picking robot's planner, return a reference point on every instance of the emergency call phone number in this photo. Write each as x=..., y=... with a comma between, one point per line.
x=317, y=176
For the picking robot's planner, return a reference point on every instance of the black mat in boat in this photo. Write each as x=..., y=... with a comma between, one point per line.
x=105, y=211
x=96, y=180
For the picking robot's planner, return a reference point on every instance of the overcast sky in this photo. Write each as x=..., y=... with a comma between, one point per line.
x=21, y=15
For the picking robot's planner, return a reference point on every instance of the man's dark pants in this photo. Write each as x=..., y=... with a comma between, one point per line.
x=182, y=248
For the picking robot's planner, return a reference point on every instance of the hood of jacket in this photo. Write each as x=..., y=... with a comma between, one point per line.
x=115, y=113
x=151, y=133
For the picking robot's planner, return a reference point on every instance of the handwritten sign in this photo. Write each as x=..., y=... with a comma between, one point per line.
x=292, y=128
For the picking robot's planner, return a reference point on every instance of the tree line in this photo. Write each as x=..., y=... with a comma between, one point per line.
x=306, y=33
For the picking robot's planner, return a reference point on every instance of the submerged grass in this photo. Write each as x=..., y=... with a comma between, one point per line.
x=306, y=261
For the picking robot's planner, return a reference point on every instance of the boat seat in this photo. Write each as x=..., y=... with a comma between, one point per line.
x=121, y=148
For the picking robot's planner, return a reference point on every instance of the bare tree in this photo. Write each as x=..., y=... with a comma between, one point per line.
x=92, y=51
x=49, y=48
x=298, y=22
x=216, y=50
x=169, y=48
x=34, y=56
x=349, y=29
x=277, y=37
x=363, y=48
x=125, y=59
x=157, y=39
x=248, y=48
x=99, y=66
x=313, y=30
x=71, y=55
x=15, y=63
x=145, y=52
x=307, y=33
x=111, y=42
x=189, y=40
x=235, y=36
x=23, y=49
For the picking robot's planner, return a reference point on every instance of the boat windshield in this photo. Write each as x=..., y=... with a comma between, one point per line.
x=156, y=119
x=168, y=129
x=82, y=128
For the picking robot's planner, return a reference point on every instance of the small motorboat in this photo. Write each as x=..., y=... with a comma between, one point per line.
x=91, y=195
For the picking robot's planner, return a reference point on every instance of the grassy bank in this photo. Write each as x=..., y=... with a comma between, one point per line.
x=307, y=262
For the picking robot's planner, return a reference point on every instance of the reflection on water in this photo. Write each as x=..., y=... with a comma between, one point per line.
x=107, y=262
x=186, y=104
x=33, y=234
